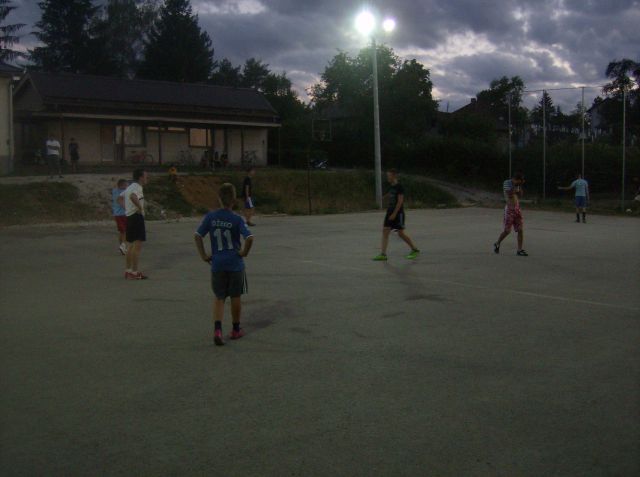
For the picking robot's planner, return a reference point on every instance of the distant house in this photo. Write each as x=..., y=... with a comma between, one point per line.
x=8, y=74
x=485, y=111
x=127, y=121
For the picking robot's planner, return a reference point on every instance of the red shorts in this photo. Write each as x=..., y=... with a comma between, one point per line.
x=121, y=222
x=513, y=219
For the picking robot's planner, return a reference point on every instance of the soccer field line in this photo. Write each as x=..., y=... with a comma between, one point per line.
x=486, y=288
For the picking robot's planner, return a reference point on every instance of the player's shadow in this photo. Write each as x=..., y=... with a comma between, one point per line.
x=410, y=280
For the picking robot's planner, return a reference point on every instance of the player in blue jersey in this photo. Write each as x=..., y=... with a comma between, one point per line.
x=228, y=279
x=582, y=196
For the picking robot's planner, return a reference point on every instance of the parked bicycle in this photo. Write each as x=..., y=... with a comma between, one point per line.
x=249, y=158
x=140, y=157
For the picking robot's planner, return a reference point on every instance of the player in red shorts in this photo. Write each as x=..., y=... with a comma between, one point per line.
x=512, y=189
x=117, y=206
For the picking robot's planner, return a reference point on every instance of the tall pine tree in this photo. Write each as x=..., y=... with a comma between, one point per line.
x=120, y=33
x=8, y=36
x=177, y=49
x=65, y=31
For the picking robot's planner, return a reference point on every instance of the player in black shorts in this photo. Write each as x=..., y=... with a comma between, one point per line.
x=394, y=218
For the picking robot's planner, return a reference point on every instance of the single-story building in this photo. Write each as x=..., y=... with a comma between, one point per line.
x=8, y=74
x=126, y=121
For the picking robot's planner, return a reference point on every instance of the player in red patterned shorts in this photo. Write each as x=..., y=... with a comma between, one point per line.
x=512, y=189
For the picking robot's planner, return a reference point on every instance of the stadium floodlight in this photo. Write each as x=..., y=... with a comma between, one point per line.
x=389, y=25
x=366, y=25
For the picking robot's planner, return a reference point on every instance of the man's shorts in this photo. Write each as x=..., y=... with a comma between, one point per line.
x=513, y=219
x=248, y=203
x=581, y=201
x=226, y=284
x=121, y=223
x=135, y=228
x=397, y=224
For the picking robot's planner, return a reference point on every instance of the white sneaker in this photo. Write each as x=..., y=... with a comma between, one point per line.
x=123, y=249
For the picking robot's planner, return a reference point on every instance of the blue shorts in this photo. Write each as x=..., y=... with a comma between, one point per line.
x=581, y=201
x=248, y=204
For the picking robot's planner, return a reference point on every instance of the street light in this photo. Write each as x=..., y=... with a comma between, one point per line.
x=366, y=25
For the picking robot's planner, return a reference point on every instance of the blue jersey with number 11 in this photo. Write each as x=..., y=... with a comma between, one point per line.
x=224, y=228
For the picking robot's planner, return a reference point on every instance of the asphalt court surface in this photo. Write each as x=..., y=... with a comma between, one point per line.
x=462, y=362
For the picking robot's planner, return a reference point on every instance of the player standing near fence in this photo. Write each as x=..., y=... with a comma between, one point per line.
x=228, y=277
x=512, y=189
x=582, y=196
x=394, y=218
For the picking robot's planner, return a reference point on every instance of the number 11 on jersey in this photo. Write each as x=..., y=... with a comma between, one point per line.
x=226, y=235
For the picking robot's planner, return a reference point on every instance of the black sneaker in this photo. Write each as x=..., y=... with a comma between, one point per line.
x=496, y=247
x=522, y=253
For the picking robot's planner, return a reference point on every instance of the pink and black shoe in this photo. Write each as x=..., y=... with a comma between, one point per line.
x=217, y=338
x=236, y=335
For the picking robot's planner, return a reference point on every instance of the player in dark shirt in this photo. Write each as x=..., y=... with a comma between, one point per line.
x=247, y=194
x=394, y=218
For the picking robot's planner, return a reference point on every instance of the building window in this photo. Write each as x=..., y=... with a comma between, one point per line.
x=199, y=137
x=132, y=135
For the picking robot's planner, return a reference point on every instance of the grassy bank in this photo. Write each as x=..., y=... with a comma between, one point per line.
x=293, y=192
x=275, y=191
x=44, y=202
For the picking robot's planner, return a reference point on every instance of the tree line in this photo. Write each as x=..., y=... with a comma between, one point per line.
x=162, y=40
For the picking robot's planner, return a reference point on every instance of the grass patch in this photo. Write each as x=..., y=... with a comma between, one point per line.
x=162, y=194
x=43, y=202
x=287, y=191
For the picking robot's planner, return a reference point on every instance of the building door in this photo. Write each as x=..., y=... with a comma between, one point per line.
x=107, y=143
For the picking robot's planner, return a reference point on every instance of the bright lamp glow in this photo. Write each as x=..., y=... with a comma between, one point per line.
x=389, y=25
x=365, y=23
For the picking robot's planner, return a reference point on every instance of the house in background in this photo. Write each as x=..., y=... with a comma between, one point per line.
x=8, y=74
x=122, y=121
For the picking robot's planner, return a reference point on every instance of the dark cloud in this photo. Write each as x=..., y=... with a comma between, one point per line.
x=465, y=43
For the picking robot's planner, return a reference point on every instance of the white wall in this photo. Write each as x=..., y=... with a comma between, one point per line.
x=88, y=135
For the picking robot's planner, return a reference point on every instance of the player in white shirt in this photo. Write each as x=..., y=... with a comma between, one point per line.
x=136, y=233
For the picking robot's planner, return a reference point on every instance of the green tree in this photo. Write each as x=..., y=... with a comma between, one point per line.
x=407, y=108
x=544, y=105
x=254, y=74
x=624, y=74
x=177, y=49
x=120, y=34
x=225, y=74
x=502, y=91
x=65, y=31
x=8, y=37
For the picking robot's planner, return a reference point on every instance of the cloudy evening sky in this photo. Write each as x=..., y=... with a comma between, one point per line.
x=464, y=43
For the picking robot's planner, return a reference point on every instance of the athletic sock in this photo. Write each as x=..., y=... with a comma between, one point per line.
x=584, y=216
x=217, y=325
x=236, y=326
x=578, y=217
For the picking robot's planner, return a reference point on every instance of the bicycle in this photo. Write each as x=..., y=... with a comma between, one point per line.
x=141, y=157
x=249, y=158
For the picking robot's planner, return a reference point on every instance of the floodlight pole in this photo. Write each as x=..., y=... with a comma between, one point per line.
x=376, y=124
x=544, y=144
x=509, y=114
x=583, y=132
x=624, y=139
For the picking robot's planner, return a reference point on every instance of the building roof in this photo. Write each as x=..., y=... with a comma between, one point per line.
x=73, y=88
x=482, y=109
x=8, y=70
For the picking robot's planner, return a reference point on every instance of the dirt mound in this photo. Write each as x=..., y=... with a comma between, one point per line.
x=201, y=192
